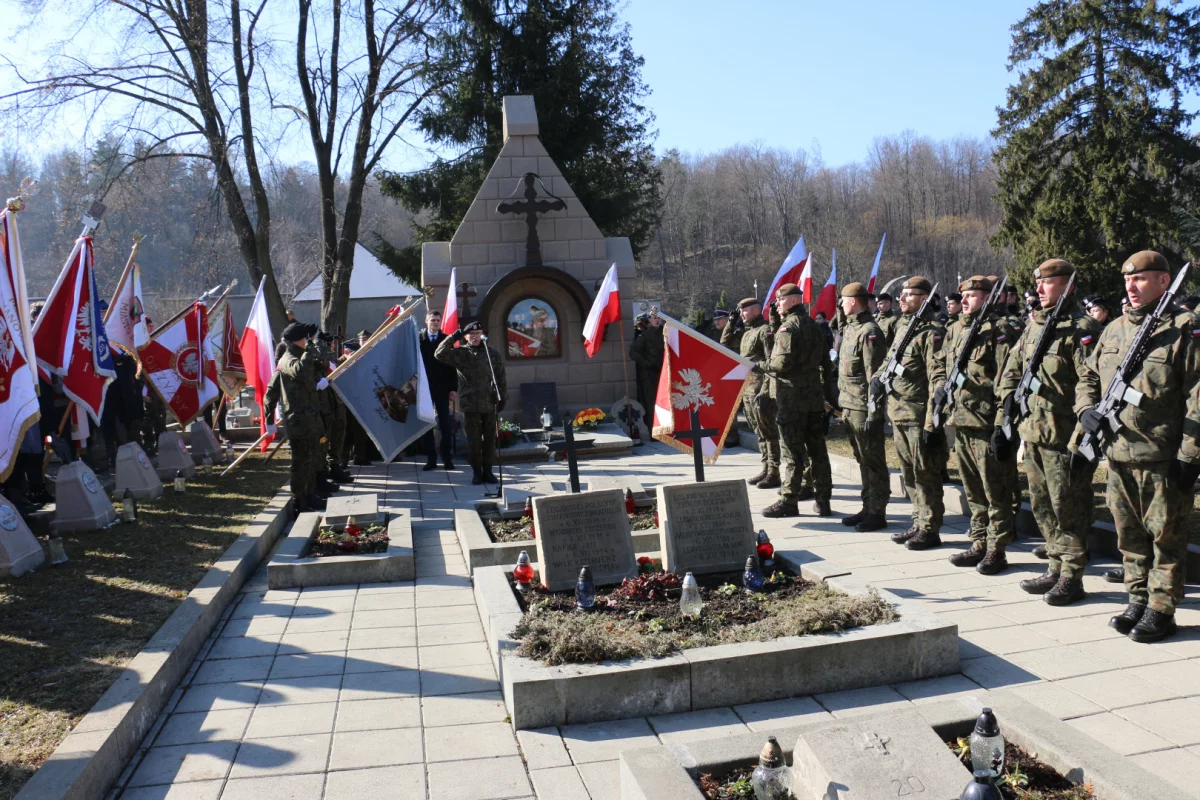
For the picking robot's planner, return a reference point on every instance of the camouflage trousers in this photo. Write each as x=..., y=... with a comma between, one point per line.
x=867, y=444
x=802, y=435
x=987, y=488
x=1151, y=519
x=1012, y=476
x=1062, y=506
x=921, y=470
x=760, y=413
x=481, y=440
x=336, y=434
x=306, y=462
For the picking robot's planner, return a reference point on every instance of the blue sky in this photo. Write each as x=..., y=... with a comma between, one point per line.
x=837, y=73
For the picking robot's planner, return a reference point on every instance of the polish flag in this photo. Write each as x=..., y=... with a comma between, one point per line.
x=257, y=349
x=875, y=269
x=606, y=308
x=805, y=282
x=827, y=301
x=450, y=313
x=792, y=271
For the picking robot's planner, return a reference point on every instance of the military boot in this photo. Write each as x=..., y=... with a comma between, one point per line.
x=754, y=481
x=476, y=476
x=807, y=492
x=341, y=474
x=993, y=563
x=854, y=519
x=315, y=503
x=781, y=508
x=771, y=481
x=903, y=536
x=821, y=508
x=1153, y=626
x=1041, y=552
x=969, y=558
x=924, y=540
x=871, y=522
x=1115, y=575
x=1065, y=592
x=1041, y=584
x=489, y=476
x=1127, y=619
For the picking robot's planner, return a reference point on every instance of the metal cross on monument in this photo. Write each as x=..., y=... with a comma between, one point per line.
x=531, y=206
x=696, y=434
x=571, y=447
x=465, y=292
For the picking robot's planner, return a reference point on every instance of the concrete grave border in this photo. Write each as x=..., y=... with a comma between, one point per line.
x=918, y=645
x=93, y=755
x=650, y=773
x=290, y=568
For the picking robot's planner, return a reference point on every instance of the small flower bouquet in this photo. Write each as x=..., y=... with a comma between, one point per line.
x=508, y=433
x=588, y=419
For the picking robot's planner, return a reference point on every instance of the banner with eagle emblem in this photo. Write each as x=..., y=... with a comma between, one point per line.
x=18, y=376
x=179, y=364
x=223, y=344
x=125, y=318
x=697, y=375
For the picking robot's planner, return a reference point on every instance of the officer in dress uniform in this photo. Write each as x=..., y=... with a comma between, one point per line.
x=477, y=363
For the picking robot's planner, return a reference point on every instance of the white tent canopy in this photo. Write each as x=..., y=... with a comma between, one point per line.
x=370, y=278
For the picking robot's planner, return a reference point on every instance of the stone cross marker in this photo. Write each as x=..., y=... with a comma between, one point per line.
x=571, y=447
x=363, y=507
x=705, y=527
x=531, y=206
x=19, y=550
x=885, y=755
x=590, y=528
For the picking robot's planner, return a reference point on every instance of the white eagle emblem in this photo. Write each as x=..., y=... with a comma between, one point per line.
x=190, y=364
x=8, y=348
x=83, y=326
x=690, y=392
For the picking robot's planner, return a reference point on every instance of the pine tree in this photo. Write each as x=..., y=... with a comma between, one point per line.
x=1094, y=142
x=576, y=59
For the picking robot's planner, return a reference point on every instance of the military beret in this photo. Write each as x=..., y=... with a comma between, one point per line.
x=855, y=289
x=787, y=290
x=295, y=331
x=719, y=313
x=1053, y=268
x=918, y=284
x=473, y=325
x=643, y=317
x=749, y=301
x=955, y=296
x=1145, y=261
x=1096, y=301
x=976, y=283
x=883, y=296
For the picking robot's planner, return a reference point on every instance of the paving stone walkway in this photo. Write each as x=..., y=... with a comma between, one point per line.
x=388, y=690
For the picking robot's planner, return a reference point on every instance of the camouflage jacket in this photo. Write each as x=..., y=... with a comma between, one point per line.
x=975, y=400
x=923, y=371
x=888, y=322
x=475, y=395
x=647, y=352
x=754, y=343
x=803, y=376
x=731, y=336
x=1166, y=424
x=295, y=384
x=317, y=358
x=1051, y=421
x=860, y=357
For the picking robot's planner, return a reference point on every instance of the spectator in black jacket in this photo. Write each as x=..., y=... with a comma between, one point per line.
x=443, y=387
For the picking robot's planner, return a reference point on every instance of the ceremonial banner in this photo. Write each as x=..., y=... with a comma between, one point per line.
x=793, y=270
x=257, y=347
x=606, y=308
x=223, y=344
x=827, y=301
x=18, y=377
x=697, y=375
x=179, y=365
x=124, y=321
x=384, y=386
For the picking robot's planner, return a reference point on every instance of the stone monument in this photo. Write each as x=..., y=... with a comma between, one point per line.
x=204, y=443
x=20, y=551
x=363, y=507
x=589, y=528
x=530, y=255
x=173, y=456
x=81, y=504
x=135, y=473
x=705, y=527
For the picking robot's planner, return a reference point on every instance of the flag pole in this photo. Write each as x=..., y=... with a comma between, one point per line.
x=625, y=376
x=137, y=245
x=247, y=452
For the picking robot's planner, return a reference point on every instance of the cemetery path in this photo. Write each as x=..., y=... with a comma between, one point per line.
x=388, y=690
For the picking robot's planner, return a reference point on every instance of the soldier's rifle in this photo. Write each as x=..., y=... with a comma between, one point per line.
x=881, y=384
x=1016, y=407
x=943, y=402
x=1102, y=423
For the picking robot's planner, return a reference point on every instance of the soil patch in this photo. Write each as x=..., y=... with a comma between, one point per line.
x=1027, y=778
x=521, y=529
x=328, y=542
x=730, y=785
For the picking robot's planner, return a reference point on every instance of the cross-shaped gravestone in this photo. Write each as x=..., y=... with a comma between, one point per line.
x=696, y=434
x=465, y=292
x=872, y=741
x=571, y=448
x=531, y=207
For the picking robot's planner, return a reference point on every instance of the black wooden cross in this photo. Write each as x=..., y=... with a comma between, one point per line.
x=465, y=292
x=571, y=448
x=697, y=434
x=531, y=207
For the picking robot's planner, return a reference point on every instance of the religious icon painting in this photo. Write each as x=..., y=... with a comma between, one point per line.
x=533, y=330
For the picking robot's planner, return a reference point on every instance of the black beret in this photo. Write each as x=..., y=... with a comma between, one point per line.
x=883, y=296
x=473, y=325
x=955, y=296
x=295, y=331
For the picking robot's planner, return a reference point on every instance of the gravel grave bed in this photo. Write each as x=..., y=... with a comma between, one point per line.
x=730, y=785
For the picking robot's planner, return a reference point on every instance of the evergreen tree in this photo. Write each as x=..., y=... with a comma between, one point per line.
x=1094, y=142
x=576, y=59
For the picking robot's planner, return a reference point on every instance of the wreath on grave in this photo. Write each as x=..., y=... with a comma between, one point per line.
x=588, y=419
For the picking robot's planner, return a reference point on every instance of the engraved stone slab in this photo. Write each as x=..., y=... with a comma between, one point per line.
x=589, y=528
x=173, y=456
x=134, y=472
x=363, y=507
x=20, y=551
x=515, y=494
x=892, y=755
x=705, y=527
x=81, y=504
x=204, y=443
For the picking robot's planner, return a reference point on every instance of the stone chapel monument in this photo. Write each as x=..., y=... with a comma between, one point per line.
x=528, y=262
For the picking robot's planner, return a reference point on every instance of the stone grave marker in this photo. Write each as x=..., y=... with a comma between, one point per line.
x=515, y=494
x=81, y=504
x=204, y=443
x=892, y=755
x=705, y=527
x=134, y=472
x=363, y=507
x=173, y=456
x=20, y=551
x=535, y=397
x=588, y=528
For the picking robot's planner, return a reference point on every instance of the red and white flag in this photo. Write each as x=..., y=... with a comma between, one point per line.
x=124, y=321
x=606, y=308
x=791, y=271
x=450, y=313
x=18, y=375
x=179, y=364
x=69, y=337
x=223, y=343
x=827, y=301
x=875, y=269
x=697, y=375
x=257, y=349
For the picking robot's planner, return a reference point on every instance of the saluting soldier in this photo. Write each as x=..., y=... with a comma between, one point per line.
x=887, y=318
x=753, y=341
x=297, y=386
x=973, y=417
x=922, y=450
x=1153, y=461
x=477, y=363
x=802, y=382
x=860, y=357
x=1061, y=498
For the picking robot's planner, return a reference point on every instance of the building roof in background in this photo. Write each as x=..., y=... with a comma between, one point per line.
x=370, y=278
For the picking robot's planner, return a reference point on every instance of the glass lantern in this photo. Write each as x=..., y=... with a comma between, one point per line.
x=752, y=578
x=129, y=507
x=585, y=590
x=766, y=551
x=987, y=745
x=180, y=482
x=547, y=420
x=690, y=603
x=523, y=572
x=772, y=778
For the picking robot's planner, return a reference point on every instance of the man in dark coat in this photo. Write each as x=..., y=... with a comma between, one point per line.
x=443, y=388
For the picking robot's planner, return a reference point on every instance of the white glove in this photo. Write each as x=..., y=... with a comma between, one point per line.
x=322, y=384
x=271, y=430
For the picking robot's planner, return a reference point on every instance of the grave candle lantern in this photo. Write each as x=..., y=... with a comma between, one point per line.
x=206, y=464
x=352, y=526
x=772, y=778
x=752, y=578
x=981, y=788
x=585, y=589
x=690, y=603
x=523, y=572
x=180, y=482
x=766, y=551
x=58, y=554
x=547, y=420
x=630, y=503
x=987, y=745
x=128, y=507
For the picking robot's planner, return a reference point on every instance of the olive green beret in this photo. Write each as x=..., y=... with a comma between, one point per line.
x=787, y=290
x=1053, y=268
x=855, y=289
x=918, y=284
x=976, y=283
x=1145, y=261
x=749, y=301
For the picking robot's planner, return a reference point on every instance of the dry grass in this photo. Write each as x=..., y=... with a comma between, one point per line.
x=66, y=632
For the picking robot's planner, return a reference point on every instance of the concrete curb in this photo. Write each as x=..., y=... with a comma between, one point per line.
x=289, y=570
x=93, y=755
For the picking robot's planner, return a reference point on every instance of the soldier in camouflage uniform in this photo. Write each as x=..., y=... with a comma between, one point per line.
x=334, y=411
x=802, y=382
x=476, y=363
x=646, y=352
x=1153, y=461
x=860, y=357
x=886, y=318
x=1061, y=497
x=922, y=451
x=973, y=418
x=298, y=388
x=1008, y=314
x=753, y=341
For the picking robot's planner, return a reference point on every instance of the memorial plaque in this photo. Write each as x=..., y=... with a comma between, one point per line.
x=80, y=502
x=535, y=397
x=135, y=473
x=589, y=528
x=173, y=456
x=866, y=758
x=204, y=443
x=363, y=507
x=20, y=551
x=705, y=527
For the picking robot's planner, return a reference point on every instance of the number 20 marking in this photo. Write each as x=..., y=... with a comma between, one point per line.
x=913, y=785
